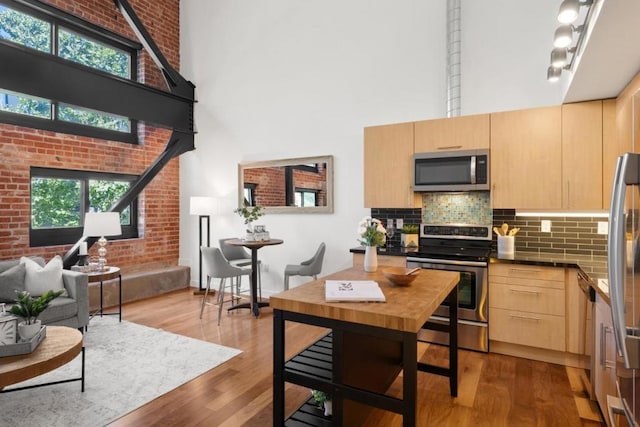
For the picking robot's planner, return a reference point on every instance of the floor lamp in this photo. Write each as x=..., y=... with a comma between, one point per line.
x=203, y=207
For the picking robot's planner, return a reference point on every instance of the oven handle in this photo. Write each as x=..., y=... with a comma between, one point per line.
x=447, y=261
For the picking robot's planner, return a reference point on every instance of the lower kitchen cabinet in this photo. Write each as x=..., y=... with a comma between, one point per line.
x=527, y=305
x=603, y=362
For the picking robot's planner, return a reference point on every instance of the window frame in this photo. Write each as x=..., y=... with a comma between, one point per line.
x=68, y=235
x=58, y=18
x=302, y=191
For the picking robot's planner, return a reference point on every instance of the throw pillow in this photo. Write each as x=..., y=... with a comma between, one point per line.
x=39, y=280
x=12, y=280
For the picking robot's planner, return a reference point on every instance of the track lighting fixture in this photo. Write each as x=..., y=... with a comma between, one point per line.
x=563, y=38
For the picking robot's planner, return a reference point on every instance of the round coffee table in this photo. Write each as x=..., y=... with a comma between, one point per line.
x=60, y=346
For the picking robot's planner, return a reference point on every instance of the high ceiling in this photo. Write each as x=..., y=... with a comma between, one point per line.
x=611, y=55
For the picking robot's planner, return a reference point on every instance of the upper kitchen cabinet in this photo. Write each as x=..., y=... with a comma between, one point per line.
x=612, y=147
x=388, y=163
x=582, y=131
x=526, y=158
x=456, y=133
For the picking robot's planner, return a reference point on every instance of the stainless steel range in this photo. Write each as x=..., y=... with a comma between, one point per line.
x=465, y=249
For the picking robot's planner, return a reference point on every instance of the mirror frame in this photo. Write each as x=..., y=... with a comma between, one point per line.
x=289, y=162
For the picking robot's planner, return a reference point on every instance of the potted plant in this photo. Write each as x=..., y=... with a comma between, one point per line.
x=409, y=235
x=323, y=400
x=29, y=308
x=250, y=214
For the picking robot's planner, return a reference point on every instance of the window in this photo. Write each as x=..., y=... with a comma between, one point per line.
x=249, y=194
x=60, y=198
x=52, y=31
x=305, y=197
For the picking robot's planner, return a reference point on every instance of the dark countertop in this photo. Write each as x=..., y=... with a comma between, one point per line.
x=594, y=268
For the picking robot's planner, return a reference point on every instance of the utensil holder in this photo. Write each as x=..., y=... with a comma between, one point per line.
x=506, y=245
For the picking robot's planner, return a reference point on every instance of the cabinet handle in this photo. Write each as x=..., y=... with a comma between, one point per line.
x=568, y=194
x=603, y=344
x=604, y=362
x=524, y=291
x=519, y=316
x=522, y=270
x=450, y=147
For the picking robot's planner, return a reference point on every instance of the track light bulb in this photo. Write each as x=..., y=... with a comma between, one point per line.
x=563, y=36
x=559, y=57
x=568, y=12
x=553, y=74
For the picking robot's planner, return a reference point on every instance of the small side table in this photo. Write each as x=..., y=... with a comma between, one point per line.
x=102, y=276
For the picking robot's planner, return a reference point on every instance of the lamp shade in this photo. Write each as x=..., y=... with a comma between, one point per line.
x=202, y=206
x=98, y=224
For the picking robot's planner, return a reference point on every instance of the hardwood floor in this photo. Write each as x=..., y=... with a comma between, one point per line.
x=494, y=390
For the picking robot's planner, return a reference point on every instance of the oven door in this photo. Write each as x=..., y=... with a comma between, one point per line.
x=472, y=288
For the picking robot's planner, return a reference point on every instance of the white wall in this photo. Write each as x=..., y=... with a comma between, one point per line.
x=286, y=78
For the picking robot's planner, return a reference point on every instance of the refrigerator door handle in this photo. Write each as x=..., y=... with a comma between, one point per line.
x=626, y=173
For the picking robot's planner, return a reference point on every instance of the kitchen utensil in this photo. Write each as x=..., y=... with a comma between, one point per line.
x=514, y=231
x=505, y=228
x=497, y=231
x=414, y=271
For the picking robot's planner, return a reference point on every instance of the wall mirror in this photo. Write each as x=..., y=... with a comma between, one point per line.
x=301, y=185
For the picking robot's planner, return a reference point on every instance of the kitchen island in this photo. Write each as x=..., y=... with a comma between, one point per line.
x=369, y=344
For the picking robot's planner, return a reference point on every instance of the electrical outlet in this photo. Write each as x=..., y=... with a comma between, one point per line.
x=545, y=226
x=399, y=223
x=603, y=227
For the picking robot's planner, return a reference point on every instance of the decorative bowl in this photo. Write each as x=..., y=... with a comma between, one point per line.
x=399, y=275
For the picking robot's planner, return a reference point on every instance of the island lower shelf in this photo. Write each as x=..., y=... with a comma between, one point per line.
x=375, y=364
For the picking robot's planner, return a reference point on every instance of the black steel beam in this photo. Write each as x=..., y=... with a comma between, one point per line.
x=43, y=75
x=178, y=143
x=176, y=83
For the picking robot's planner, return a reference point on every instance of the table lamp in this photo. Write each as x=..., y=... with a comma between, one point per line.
x=203, y=207
x=102, y=224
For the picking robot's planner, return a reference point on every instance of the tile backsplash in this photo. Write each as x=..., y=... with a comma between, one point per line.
x=569, y=235
x=457, y=208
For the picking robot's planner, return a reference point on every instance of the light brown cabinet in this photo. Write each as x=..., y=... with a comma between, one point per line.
x=612, y=147
x=456, y=133
x=527, y=306
x=526, y=158
x=388, y=165
x=582, y=131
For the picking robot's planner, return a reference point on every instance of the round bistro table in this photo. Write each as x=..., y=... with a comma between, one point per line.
x=253, y=245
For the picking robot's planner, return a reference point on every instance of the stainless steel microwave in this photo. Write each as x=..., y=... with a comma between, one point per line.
x=464, y=170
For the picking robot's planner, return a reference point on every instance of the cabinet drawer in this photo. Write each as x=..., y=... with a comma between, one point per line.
x=527, y=272
x=527, y=298
x=535, y=330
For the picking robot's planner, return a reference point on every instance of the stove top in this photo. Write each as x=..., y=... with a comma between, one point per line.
x=460, y=242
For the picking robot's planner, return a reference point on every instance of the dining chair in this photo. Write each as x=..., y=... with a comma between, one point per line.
x=218, y=267
x=310, y=267
x=240, y=257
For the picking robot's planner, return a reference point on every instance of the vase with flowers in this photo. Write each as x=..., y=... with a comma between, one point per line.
x=372, y=234
x=250, y=214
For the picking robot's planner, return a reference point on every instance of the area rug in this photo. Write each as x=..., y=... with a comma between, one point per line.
x=126, y=366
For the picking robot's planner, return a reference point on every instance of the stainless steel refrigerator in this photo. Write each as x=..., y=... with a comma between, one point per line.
x=624, y=282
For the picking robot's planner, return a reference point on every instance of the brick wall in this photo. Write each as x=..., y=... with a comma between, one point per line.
x=21, y=148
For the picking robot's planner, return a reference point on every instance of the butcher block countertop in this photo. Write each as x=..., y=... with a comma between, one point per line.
x=406, y=309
